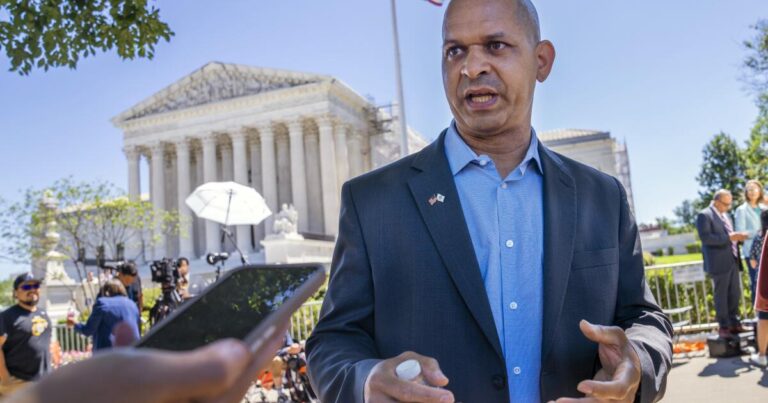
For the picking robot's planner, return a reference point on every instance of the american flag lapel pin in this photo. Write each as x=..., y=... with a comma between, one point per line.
x=436, y=198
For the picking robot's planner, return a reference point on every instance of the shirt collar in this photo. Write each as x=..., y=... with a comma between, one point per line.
x=460, y=155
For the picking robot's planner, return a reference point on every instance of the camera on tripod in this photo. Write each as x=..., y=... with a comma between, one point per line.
x=165, y=272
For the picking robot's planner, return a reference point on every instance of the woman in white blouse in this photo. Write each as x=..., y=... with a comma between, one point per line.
x=747, y=219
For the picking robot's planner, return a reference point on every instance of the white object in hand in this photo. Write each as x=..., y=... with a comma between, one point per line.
x=409, y=370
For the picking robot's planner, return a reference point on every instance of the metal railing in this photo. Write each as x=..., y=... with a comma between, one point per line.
x=304, y=320
x=685, y=284
x=69, y=339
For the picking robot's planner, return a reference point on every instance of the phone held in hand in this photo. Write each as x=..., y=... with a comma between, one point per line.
x=247, y=303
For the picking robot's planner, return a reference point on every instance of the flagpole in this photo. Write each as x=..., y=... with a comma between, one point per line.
x=398, y=74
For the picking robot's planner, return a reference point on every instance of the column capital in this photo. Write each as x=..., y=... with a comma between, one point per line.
x=208, y=138
x=295, y=128
x=182, y=144
x=240, y=134
x=156, y=147
x=326, y=120
x=265, y=130
x=132, y=153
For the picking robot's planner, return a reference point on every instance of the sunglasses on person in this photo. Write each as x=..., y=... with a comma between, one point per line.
x=29, y=287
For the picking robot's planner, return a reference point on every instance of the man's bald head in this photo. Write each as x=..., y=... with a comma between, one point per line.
x=525, y=12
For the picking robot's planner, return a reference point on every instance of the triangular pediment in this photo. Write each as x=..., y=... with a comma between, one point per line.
x=216, y=82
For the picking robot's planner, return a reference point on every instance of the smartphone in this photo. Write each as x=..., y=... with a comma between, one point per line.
x=247, y=303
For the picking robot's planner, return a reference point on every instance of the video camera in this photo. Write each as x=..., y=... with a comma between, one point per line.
x=165, y=272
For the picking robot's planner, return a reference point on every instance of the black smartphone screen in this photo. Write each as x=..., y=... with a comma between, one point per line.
x=231, y=308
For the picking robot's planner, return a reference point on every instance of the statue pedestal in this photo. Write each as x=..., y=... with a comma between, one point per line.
x=293, y=248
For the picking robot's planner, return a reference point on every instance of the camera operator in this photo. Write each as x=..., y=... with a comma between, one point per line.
x=182, y=286
x=166, y=273
x=128, y=274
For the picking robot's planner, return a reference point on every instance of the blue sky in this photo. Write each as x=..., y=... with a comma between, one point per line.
x=661, y=75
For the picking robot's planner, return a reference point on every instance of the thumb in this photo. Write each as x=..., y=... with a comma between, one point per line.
x=432, y=372
x=123, y=333
x=598, y=334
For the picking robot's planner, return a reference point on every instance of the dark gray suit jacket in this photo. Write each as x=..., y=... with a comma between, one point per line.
x=715, y=243
x=404, y=277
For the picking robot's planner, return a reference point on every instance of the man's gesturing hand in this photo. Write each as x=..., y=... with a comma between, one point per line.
x=619, y=378
x=383, y=385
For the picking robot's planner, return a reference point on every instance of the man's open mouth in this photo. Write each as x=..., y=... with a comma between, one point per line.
x=481, y=98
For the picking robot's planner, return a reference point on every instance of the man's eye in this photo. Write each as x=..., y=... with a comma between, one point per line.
x=452, y=51
x=497, y=45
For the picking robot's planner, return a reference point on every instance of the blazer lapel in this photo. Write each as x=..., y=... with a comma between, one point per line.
x=559, y=229
x=448, y=230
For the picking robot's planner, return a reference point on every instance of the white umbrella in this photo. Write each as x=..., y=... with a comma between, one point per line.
x=228, y=203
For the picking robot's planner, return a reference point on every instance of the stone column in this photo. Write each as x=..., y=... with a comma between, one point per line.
x=227, y=173
x=158, y=193
x=328, y=175
x=186, y=237
x=212, y=240
x=283, y=164
x=269, y=173
x=314, y=182
x=239, y=155
x=199, y=229
x=134, y=185
x=256, y=183
x=342, y=157
x=298, y=174
x=355, y=154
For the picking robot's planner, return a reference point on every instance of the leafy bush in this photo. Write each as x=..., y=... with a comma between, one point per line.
x=648, y=259
x=670, y=251
x=693, y=247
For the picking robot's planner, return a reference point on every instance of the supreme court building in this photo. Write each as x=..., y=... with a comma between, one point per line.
x=294, y=137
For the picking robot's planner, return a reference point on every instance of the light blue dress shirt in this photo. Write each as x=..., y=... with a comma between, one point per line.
x=505, y=220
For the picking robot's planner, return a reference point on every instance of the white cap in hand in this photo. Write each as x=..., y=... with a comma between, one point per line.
x=408, y=370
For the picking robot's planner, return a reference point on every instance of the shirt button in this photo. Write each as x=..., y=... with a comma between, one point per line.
x=483, y=163
x=513, y=305
x=516, y=370
x=504, y=185
x=510, y=243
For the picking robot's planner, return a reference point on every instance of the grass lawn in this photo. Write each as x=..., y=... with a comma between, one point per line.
x=691, y=257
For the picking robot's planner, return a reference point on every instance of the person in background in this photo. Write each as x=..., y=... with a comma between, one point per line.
x=25, y=337
x=722, y=260
x=111, y=308
x=128, y=275
x=761, y=296
x=182, y=287
x=747, y=219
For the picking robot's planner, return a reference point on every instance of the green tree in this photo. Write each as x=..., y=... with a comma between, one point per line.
x=90, y=215
x=54, y=33
x=686, y=213
x=722, y=168
x=756, y=77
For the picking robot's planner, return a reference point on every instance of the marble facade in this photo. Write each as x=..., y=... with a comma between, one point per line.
x=294, y=137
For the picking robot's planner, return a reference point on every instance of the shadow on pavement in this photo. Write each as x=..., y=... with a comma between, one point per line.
x=731, y=368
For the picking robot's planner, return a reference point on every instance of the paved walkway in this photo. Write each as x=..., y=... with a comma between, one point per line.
x=703, y=379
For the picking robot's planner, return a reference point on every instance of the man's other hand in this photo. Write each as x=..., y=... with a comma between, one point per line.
x=383, y=385
x=619, y=377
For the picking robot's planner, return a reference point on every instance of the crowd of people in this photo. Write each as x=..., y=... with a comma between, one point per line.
x=26, y=329
x=729, y=242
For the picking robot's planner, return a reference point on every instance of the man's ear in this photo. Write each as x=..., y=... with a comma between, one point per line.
x=545, y=57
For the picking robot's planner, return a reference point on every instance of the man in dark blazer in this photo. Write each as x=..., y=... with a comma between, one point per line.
x=413, y=271
x=719, y=245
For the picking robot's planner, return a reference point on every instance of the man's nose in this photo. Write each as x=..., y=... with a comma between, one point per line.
x=475, y=64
